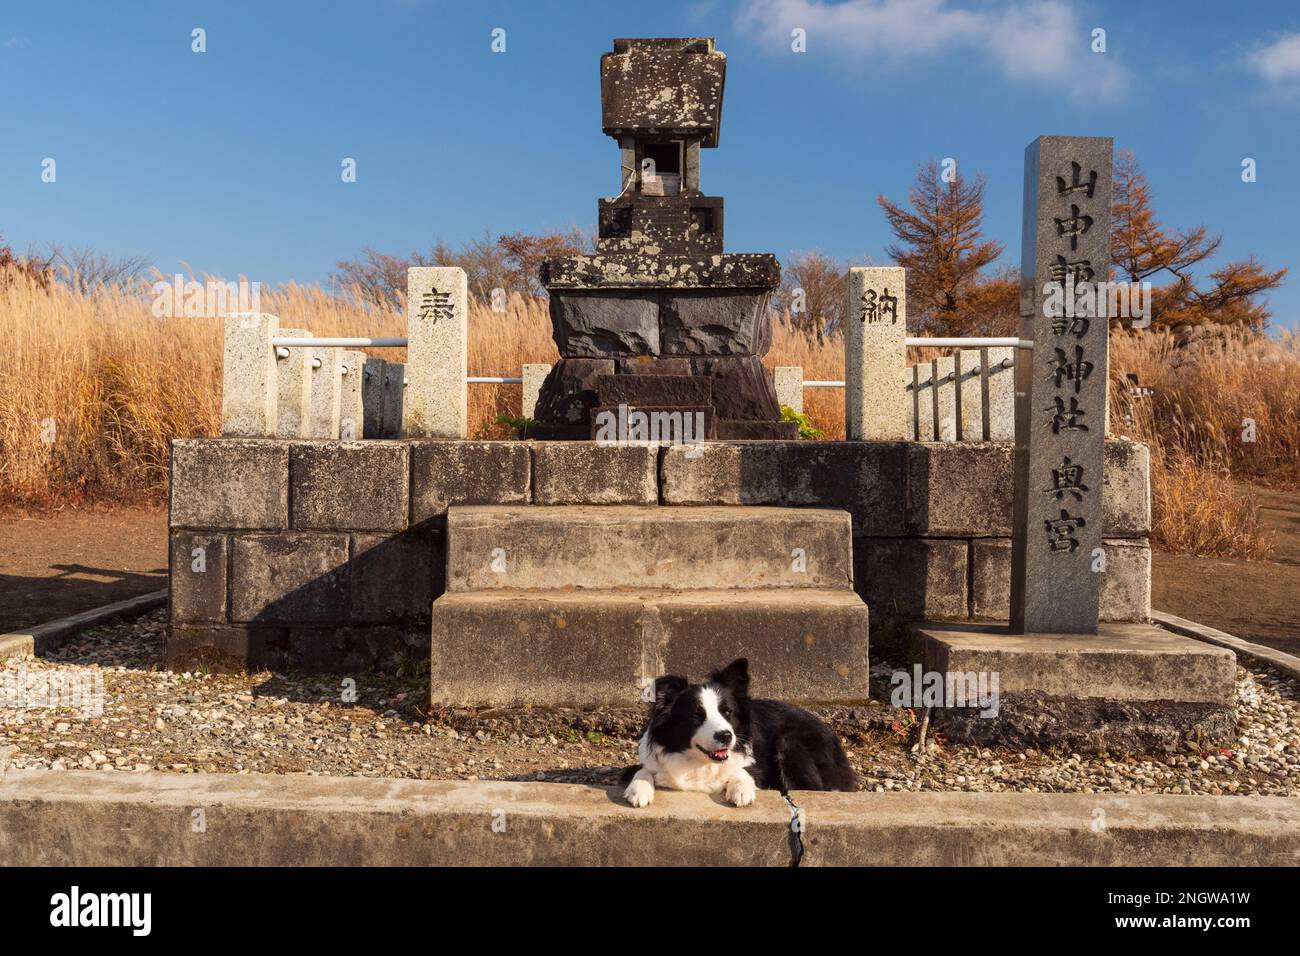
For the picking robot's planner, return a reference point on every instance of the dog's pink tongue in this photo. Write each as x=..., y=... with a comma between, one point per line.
x=719, y=753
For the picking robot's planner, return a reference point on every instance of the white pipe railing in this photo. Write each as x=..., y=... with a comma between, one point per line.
x=974, y=343
x=286, y=341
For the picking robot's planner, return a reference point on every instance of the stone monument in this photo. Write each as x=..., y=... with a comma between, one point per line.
x=660, y=318
x=1061, y=393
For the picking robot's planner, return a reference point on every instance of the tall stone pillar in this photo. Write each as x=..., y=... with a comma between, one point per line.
x=1061, y=390
x=534, y=374
x=788, y=380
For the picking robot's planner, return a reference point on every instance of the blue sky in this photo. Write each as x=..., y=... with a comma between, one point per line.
x=229, y=160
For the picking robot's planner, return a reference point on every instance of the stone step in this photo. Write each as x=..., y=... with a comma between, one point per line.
x=587, y=648
x=1129, y=688
x=495, y=547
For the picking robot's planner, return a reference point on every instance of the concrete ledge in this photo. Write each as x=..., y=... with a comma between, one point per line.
x=87, y=818
x=43, y=637
x=1288, y=664
x=60, y=818
x=1047, y=829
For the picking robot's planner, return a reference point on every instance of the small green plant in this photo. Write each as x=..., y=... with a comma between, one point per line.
x=806, y=429
x=413, y=668
x=518, y=426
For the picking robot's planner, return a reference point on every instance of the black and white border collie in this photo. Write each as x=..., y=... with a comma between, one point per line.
x=712, y=738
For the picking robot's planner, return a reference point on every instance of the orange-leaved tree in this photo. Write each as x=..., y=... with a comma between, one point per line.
x=1141, y=249
x=940, y=242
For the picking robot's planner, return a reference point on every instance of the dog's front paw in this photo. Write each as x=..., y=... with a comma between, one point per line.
x=639, y=793
x=741, y=790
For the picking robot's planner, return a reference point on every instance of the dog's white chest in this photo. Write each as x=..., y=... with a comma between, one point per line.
x=685, y=771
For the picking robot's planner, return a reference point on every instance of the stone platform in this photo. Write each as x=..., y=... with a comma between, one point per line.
x=1129, y=687
x=585, y=606
x=327, y=556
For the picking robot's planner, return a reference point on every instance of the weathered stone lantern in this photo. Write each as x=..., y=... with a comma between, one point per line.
x=660, y=318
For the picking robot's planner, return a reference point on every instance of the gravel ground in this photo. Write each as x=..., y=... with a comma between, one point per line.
x=154, y=719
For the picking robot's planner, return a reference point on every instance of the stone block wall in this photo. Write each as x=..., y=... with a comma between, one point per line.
x=931, y=521
x=326, y=555
x=319, y=555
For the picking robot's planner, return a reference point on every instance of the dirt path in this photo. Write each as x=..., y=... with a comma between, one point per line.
x=54, y=566
x=1254, y=600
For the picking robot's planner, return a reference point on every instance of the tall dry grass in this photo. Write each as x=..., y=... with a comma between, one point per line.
x=92, y=389
x=1207, y=406
x=95, y=388
x=822, y=361
x=1203, y=408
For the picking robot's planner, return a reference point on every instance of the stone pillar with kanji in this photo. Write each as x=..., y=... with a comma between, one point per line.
x=1057, y=552
x=434, y=401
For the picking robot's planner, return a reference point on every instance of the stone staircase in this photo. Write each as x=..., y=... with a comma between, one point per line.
x=579, y=605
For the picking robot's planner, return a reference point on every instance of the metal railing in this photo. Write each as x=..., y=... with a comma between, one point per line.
x=957, y=343
x=283, y=343
x=972, y=343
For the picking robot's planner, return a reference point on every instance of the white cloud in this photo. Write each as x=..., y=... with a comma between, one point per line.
x=1278, y=61
x=1036, y=41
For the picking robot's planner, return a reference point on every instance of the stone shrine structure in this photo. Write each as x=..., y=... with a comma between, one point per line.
x=571, y=573
x=660, y=318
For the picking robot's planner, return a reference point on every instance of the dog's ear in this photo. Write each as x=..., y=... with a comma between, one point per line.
x=667, y=687
x=735, y=676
